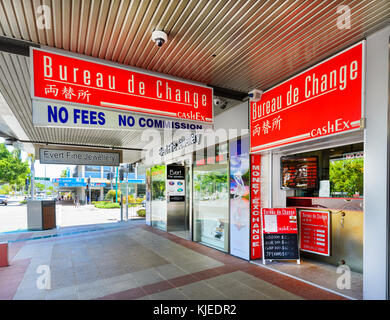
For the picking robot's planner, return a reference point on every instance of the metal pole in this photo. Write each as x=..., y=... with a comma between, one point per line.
x=111, y=178
x=32, y=178
x=89, y=189
x=127, y=194
x=116, y=186
x=45, y=182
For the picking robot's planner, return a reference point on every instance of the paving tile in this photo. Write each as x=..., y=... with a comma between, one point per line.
x=146, y=277
x=201, y=291
x=169, y=271
x=172, y=294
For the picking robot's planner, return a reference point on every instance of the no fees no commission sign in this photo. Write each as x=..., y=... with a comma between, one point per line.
x=74, y=80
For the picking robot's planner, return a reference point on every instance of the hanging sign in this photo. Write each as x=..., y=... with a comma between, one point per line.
x=314, y=227
x=324, y=100
x=280, y=234
x=255, y=234
x=53, y=114
x=78, y=157
x=69, y=79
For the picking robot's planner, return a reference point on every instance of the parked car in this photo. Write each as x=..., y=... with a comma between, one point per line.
x=3, y=199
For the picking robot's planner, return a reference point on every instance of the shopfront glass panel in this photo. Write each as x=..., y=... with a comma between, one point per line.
x=159, y=202
x=211, y=205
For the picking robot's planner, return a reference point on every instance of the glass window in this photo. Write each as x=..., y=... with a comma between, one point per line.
x=159, y=203
x=211, y=205
x=340, y=172
x=92, y=171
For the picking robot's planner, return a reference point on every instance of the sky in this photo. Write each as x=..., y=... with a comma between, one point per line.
x=52, y=170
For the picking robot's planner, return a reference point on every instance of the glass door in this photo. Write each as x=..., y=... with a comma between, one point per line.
x=211, y=205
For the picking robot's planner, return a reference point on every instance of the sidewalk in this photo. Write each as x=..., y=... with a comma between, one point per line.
x=135, y=261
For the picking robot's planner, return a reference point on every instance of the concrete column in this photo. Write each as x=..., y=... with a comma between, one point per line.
x=376, y=166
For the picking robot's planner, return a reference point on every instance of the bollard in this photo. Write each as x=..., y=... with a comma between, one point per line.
x=4, y=254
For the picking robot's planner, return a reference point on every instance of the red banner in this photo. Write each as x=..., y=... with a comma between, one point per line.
x=324, y=100
x=314, y=229
x=279, y=220
x=75, y=80
x=255, y=233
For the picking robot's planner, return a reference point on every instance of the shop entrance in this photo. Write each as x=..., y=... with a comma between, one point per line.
x=325, y=186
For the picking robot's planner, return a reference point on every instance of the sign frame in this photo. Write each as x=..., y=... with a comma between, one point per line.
x=329, y=229
x=278, y=145
x=42, y=148
x=118, y=66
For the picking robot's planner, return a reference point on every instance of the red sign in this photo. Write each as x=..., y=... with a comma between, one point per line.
x=256, y=240
x=324, y=100
x=314, y=229
x=81, y=81
x=279, y=220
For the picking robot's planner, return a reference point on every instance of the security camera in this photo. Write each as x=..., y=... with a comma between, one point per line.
x=159, y=37
x=255, y=95
x=217, y=102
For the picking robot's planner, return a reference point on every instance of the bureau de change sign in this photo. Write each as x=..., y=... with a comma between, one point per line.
x=72, y=80
x=280, y=234
x=321, y=101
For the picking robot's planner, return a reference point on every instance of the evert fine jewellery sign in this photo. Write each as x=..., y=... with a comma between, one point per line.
x=64, y=79
x=58, y=156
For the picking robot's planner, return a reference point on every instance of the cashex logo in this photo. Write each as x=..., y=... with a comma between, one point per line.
x=44, y=280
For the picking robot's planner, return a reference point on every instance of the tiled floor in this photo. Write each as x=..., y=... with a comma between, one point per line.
x=138, y=262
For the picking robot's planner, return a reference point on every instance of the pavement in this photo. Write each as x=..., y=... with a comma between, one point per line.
x=13, y=217
x=130, y=260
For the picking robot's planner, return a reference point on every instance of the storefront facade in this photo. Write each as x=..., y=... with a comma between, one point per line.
x=355, y=220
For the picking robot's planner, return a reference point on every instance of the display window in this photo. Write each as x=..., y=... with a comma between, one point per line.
x=159, y=205
x=211, y=198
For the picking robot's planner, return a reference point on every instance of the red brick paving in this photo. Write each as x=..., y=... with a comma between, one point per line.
x=289, y=284
x=10, y=278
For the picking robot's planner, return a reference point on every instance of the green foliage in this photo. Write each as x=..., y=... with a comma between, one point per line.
x=5, y=189
x=208, y=183
x=12, y=169
x=141, y=213
x=63, y=174
x=106, y=205
x=111, y=195
x=39, y=185
x=346, y=176
x=23, y=202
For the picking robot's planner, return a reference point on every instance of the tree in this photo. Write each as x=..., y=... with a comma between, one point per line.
x=12, y=169
x=346, y=176
x=40, y=186
x=64, y=173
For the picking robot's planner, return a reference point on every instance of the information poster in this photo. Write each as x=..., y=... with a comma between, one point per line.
x=280, y=234
x=315, y=231
x=175, y=183
x=239, y=198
